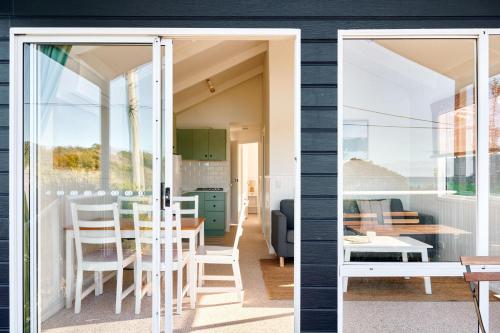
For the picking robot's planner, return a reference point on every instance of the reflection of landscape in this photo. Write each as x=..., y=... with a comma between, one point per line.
x=80, y=168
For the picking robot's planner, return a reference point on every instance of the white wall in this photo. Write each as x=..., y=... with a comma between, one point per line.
x=279, y=183
x=240, y=104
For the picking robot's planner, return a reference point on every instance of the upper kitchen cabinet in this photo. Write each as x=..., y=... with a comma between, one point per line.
x=217, y=144
x=184, y=145
x=202, y=144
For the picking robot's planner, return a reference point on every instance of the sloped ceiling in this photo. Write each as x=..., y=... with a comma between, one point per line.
x=225, y=63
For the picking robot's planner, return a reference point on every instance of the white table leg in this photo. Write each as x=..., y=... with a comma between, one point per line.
x=347, y=258
x=192, y=270
x=69, y=268
x=427, y=279
x=404, y=256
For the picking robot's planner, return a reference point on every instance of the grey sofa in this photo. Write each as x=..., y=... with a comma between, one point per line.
x=351, y=206
x=282, y=230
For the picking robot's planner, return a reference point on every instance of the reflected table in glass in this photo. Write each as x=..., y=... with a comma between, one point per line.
x=381, y=244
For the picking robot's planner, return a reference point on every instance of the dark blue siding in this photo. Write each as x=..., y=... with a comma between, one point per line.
x=319, y=21
x=4, y=167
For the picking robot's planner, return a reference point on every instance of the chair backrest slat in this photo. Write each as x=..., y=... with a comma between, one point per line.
x=97, y=224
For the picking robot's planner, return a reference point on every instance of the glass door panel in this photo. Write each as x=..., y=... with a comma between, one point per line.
x=409, y=173
x=89, y=139
x=410, y=129
x=494, y=158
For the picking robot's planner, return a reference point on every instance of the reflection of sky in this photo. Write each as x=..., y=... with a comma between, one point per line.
x=71, y=108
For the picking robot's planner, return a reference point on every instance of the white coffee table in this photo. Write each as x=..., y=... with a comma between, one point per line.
x=390, y=244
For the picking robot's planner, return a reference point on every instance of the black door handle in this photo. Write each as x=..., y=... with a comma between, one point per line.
x=164, y=196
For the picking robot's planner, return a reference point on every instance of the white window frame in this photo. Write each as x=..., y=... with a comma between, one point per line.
x=366, y=269
x=19, y=36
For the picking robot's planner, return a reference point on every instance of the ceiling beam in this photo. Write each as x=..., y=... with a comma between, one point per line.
x=191, y=49
x=184, y=105
x=219, y=67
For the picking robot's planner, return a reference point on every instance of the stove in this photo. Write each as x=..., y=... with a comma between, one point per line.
x=210, y=189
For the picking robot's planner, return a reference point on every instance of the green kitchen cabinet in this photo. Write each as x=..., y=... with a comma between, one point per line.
x=214, y=223
x=211, y=206
x=185, y=143
x=217, y=145
x=215, y=213
x=200, y=144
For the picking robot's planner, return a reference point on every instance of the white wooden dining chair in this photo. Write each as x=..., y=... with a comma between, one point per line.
x=217, y=255
x=188, y=211
x=143, y=227
x=109, y=257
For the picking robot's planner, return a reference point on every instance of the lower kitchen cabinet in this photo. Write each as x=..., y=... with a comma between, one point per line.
x=211, y=206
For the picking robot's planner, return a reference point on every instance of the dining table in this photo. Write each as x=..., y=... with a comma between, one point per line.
x=191, y=229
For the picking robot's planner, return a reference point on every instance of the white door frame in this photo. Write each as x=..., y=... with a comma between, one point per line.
x=361, y=269
x=18, y=36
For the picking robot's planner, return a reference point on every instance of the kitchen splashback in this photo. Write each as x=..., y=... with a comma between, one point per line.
x=205, y=174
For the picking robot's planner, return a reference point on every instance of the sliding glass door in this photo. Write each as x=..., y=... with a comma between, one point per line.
x=93, y=152
x=418, y=117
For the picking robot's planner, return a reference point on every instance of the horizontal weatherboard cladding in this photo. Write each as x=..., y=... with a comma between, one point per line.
x=4, y=115
x=319, y=22
x=287, y=9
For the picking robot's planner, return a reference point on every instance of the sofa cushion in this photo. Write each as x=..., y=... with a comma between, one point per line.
x=374, y=206
x=396, y=205
x=350, y=207
x=289, y=236
x=286, y=207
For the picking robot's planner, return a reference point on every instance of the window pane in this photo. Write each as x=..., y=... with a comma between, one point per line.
x=409, y=149
x=88, y=151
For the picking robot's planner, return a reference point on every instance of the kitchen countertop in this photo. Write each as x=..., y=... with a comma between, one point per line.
x=187, y=190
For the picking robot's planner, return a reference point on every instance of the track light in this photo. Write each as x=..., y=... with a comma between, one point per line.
x=210, y=86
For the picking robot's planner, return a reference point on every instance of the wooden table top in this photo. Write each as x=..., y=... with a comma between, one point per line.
x=397, y=230
x=480, y=260
x=126, y=224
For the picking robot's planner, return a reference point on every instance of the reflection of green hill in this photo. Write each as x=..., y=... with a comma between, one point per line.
x=77, y=158
x=121, y=170
x=361, y=175
x=82, y=165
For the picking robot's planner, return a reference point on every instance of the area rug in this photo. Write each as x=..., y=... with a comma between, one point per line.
x=278, y=280
x=444, y=289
